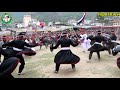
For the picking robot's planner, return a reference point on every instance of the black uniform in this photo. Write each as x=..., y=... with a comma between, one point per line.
x=113, y=37
x=118, y=62
x=20, y=44
x=65, y=56
x=91, y=38
x=1, y=43
x=9, y=63
x=97, y=47
x=115, y=51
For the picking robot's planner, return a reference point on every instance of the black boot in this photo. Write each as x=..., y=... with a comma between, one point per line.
x=57, y=68
x=55, y=71
x=73, y=67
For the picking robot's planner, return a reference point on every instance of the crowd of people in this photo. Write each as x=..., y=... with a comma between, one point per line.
x=15, y=47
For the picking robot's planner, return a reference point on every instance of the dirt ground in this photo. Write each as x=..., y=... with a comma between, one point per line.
x=42, y=65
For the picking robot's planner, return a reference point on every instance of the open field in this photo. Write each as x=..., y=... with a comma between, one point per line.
x=42, y=66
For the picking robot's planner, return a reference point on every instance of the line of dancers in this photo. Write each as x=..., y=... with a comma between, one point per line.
x=93, y=43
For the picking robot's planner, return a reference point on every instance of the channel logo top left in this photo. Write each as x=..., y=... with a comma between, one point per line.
x=6, y=18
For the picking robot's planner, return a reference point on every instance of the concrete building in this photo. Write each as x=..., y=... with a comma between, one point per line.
x=116, y=22
x=26, y=20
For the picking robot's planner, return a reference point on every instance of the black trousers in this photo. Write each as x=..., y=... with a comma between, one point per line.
x=0, y=57
x=58, y=66
x=90, y=55
x=8, y=66
x=22, y=62
x=109, y=51
x=40, y=46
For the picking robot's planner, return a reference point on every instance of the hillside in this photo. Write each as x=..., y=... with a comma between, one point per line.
x=62, y=16
x=52, y=16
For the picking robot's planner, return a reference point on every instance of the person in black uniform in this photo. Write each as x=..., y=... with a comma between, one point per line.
x=19, y=46
x=65, y=56
x=115, y=51
x=9, y=63
x=97, y=47
x=110, y=42
x=113, y=36
x=118, y=62
x=4, y=40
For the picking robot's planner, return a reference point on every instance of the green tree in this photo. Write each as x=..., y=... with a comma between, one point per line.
x=100, y=19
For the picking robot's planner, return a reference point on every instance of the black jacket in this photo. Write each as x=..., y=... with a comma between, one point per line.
x=113, y=37
x=98, y=39
x=65, y=43
x=18, y=44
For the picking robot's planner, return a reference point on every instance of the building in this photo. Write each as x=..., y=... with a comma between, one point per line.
x=72, y=22
x=19, y=25
x=87, y=22
x=26, y=20
x=116, y=22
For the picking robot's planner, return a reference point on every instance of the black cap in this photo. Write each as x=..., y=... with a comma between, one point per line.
x=20, y=36
x=112, y=31
x=4, y=36
x=99, y=32
x=64, y=34
x=21, y=33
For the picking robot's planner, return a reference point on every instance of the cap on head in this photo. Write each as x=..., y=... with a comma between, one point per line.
x=20, y=36
x=64, y=34
x=22, y=33
x=4, y=36
x=112, y=31
x=98, y=32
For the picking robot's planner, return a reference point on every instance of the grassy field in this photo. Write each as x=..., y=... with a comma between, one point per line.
x=42, y=66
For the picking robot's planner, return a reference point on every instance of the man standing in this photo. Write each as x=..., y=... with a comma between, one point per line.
x=113, y=36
